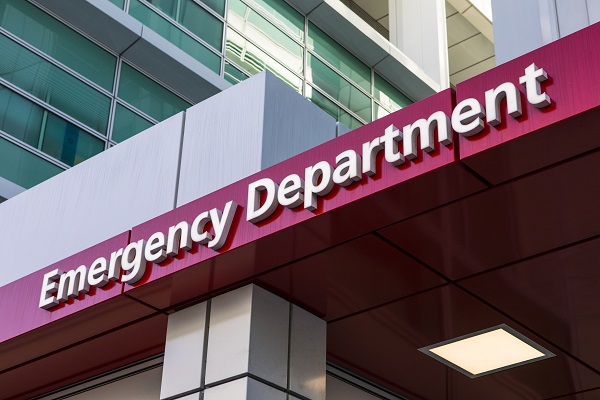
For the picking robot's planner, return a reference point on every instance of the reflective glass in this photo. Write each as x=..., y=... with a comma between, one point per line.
x=67, y=143
x=339, y=57
x=266, y=35
x=148, y=96
x=285, y=16
x=331, y=108
x=127, y=124
x=390, y=97
x=58, y=41
x=22, y=167
x=193, y=17
x=338, y=88
x=379, y=111
x=217, y=5
x=254, y=60
x=233, y=75
x=174, y=35
x=20, y=117
x=47, y=82
x=118, y=3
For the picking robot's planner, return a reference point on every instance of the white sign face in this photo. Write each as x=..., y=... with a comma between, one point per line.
x=128, y=264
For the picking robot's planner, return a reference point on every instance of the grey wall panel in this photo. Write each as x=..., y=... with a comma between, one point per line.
x=250, y=126
x=572, y=16
x=593, y=11
x=97, y=199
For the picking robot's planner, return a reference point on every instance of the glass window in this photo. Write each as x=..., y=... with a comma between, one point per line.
x=266, y=35
x=193, y=17
x=59, y=41
x=390, y=97
x=22, y=167
x=254, y=60
x=67, y=143
x=331, y=108
x=379, y=111
x=338, y=88
x=218, y=6
x=148, y=96
x=285, y=16
x=118, y=3
x=339, y=57
x=175, y=35
x=127, y=124
x=233, y=75
x=48, y=83
x=20, y=117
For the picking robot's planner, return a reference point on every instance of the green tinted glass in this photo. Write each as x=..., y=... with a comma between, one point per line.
x=22, y=167
x=233, y=75
x=331, y=108
x=20, y=117
x=127, y=124
x=118, y=3
x=338, y=57
x=217, y=5
x=175, y=35
x=202, y=23
x=266, y=35
x=390, y=97
x=254, y=60
x=53, y=85
x=379, y=111
x=67, y=143
x=339, y=88
x=58, y=41
x=147, y=95
x=285, y=16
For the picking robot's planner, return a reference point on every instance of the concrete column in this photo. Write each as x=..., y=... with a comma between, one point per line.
x=245, y=344
x=418, y=29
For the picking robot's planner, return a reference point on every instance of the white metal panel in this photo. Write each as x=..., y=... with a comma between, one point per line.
x=243, y=389
x=307, y=354
x=91, y=202
x=593, y=11
x=253, y=125
x=184, y=351
x=572, y=16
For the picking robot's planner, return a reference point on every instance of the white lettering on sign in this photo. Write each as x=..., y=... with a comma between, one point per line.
x=128, y=264
x=467, y=119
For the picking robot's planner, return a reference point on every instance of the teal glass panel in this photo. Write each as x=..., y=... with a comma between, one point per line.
x=58, y=41
x=218, y=6
x=390, y=97
x=339, y=88
x=127, y=124
x=148, y=96
x=254, y=60
x=175, y=35
x=266, y=35
x=283, y=15
x=339, y=57
x=20, y=117
x=67, y=143
x=48, y=83
x=379, y=111
x=22, y=167
x=233, y=75
x=195, y=18
x=331, y=108
x=118, y=3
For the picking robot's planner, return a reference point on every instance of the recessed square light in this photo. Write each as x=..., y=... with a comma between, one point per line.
x=485, y=352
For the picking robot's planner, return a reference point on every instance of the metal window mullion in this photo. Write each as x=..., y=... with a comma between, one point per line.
x=113, y=100
x=52, y=109
x=305, y=56
x=54, y=62
x=298, y=75
x=33, y=150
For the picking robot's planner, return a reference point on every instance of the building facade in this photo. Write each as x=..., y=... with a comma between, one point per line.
x=298, y=199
